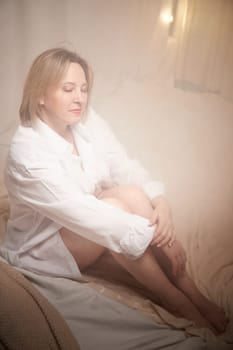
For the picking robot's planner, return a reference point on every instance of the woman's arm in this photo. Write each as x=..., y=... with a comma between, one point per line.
x=47, y=189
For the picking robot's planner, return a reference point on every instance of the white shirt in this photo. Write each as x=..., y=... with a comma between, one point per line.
x=49, y=188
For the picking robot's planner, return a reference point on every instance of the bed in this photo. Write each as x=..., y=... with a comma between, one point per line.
x=211, y=266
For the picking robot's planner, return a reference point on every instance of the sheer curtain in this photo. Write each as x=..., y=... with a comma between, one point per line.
x=205, y=46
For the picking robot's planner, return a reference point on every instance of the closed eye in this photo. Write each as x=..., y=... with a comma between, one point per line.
x=84, y=89
x=68, y=87
x=72, y=87
x=68, y=90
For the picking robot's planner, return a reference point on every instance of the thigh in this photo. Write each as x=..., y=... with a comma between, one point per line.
x=132, y=196
x=84, y=251
x=116, y=202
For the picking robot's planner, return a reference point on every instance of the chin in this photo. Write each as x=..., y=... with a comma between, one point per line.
x=75, y=120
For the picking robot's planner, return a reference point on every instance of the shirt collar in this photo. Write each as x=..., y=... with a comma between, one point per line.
x=81, y=130
x=57, y=142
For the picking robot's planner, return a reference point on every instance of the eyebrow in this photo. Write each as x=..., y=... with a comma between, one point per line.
x=68, y=82
x=71, y=83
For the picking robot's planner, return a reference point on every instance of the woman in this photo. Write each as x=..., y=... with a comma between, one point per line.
x=74, y=193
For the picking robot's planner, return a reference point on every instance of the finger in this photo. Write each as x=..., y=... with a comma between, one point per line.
x=153, y=219
x=171, y=242
x=158, y=239
x=166, y=238
x=154, y=241
x=157, y=236
x=161, y=225
x=162, y=244
x=167, y=227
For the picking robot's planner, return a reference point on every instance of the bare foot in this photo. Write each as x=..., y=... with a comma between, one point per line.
x=181, y=306
x=215, y=315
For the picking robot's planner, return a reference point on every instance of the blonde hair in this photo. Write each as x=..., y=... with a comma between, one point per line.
x=47, y=69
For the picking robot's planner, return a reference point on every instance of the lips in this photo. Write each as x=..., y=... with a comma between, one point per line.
x=76, y=111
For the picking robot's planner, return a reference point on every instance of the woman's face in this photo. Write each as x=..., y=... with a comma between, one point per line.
x=65, y=103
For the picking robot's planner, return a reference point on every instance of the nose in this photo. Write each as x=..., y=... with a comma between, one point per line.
x=77, y=95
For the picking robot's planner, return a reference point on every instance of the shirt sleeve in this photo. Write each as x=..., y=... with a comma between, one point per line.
x=123, y=169
x=46, y=189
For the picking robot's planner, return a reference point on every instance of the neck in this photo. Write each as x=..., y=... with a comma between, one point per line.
x=62, y=129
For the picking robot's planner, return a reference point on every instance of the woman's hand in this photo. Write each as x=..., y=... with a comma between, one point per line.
x=177, y=256
x=162, y=218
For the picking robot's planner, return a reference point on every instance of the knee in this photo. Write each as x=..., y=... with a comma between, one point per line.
x=133, y=192
x=130, y=198
x=123, y=193
x=117, y=203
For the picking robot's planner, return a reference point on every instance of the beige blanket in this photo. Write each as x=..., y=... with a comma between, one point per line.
x=27, y=320
x=210, y=265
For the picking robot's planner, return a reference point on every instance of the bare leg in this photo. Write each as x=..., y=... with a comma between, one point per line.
x=84, y=251
x=213, y=313
x=170, y=297
x=181, y=296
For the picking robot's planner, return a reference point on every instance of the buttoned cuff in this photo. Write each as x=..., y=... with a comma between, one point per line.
x=135, y=243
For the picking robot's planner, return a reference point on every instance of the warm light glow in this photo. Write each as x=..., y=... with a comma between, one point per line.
x=167, y=17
